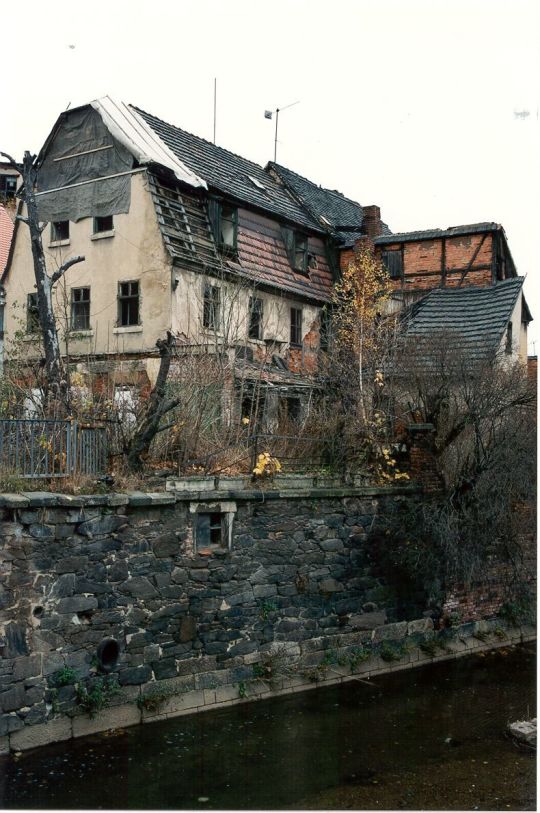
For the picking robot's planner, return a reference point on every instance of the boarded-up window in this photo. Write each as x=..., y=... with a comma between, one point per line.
x=393, y=262
x=211, y=533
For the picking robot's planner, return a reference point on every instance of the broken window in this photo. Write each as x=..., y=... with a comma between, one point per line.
x=211, y=305
x=289, y=411
x=80, y=308
x=255, y=318
x=128, y=304
x=32, y=313
x=212, y=526
x=393, y=262
x=224, y=224
x=296, y=326
x=300, y=252
x=59, y=230
x=103, y=224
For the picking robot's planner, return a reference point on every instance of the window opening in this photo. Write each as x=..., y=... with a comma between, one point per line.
x=228, y=228
x=210, y=533
x=80, y=308
x=255, y=318
x=300, y=252
x=59, y=230
x=325, y=329
x=296, y=326
x=128, y=304
x=8, y=186
x=211, y=306
x=102, y=224
x=32, y=313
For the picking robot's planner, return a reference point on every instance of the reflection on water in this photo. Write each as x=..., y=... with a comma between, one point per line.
x=277, y=753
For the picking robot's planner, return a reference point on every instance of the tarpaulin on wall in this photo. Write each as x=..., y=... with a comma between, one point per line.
x=83, y=150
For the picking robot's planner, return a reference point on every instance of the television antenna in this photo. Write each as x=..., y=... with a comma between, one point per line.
x=268, y=115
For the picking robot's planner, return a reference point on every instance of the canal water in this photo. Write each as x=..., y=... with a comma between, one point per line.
x=430, y=738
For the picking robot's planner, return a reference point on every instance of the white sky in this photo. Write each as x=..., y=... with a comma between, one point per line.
x=409, y=104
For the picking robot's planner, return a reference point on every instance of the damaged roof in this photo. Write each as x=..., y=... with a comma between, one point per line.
x=476, y=318
x=328, y=206
x=243, y=180
x=342, y=216
x=431, y=234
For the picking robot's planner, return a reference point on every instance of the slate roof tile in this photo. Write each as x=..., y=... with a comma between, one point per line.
x=230, y=173
x=431, y=234
x=475, y=318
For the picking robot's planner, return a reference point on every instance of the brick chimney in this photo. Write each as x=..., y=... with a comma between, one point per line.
x=371, y=223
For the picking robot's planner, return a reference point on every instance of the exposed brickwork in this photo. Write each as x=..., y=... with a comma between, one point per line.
x=429, y=263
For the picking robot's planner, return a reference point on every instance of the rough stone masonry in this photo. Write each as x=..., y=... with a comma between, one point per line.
x=182, y=599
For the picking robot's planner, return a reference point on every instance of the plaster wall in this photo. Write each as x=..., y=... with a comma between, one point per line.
x=132, y=251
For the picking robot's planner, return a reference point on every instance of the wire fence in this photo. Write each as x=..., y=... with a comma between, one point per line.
x=36, y=448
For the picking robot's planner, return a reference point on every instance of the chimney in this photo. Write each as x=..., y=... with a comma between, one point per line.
x=371, y=223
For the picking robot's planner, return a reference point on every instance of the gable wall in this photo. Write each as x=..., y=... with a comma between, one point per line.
x=135, y=252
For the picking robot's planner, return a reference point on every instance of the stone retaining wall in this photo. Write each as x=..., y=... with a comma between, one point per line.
x=287, y=601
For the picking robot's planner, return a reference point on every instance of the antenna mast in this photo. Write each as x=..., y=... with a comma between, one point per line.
x=268, y=115
x=215, y=98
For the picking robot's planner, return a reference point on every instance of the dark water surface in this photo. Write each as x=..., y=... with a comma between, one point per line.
x=431, y=737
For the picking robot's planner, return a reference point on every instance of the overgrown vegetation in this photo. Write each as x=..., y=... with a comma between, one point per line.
x=96, y=694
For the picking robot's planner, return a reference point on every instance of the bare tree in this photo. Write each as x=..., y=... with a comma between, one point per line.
x=57, y=378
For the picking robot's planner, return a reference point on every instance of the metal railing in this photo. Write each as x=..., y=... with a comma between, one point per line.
x=37, y=448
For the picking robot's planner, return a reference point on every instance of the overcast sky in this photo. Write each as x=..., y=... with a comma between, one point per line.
x=429, y=108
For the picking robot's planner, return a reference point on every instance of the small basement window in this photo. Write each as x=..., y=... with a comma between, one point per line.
x=59, y=230
x=103, y=224
x=212, y=526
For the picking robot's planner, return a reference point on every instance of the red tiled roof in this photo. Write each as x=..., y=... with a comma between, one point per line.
x=6, y=233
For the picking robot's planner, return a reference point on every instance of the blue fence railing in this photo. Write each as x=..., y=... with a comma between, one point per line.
x=51, y=448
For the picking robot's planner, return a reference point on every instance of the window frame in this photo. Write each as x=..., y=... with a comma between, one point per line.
x=255, y=323
x=121, y=298
x=226, y=511
x=57, y=237
x=75, y=307
x=102, y=231
x=32, y=313
x=325, y=328
x=211, y=316
x=300, y=247
x=296, y=327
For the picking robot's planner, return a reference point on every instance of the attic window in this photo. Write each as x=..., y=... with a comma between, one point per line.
x=223, y=219
x=59, y=230
x=256, y=182
x=103, y=224
x=300, y=252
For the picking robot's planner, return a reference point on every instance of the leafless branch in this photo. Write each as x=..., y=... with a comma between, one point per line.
x=64, y=267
